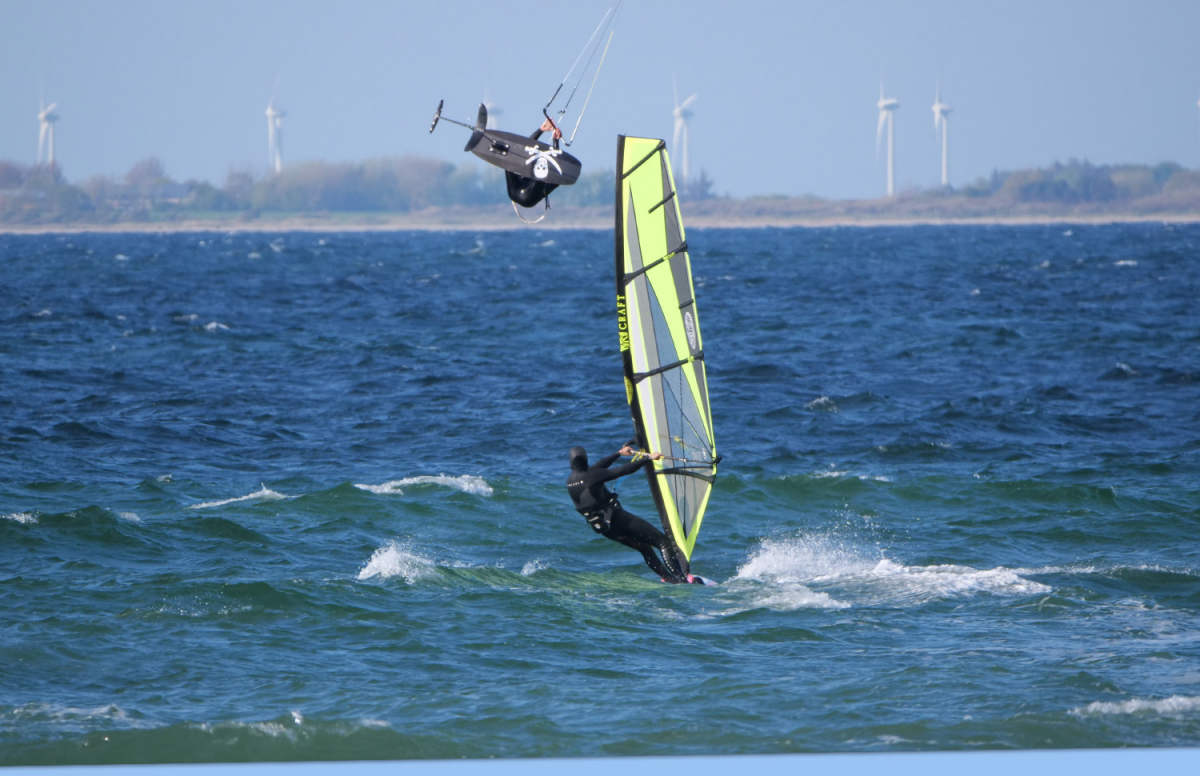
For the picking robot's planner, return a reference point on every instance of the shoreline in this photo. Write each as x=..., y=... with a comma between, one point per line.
x=568, y=221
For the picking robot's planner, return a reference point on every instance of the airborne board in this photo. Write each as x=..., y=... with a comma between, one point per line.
x=525, y=156
x=661, y=348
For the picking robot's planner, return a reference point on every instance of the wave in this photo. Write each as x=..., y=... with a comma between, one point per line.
x=791, y=568
x=467, y=483
x=1176, y=705
x=26, y=518
x=395, y=560
x=266, y=494
x=290, y=736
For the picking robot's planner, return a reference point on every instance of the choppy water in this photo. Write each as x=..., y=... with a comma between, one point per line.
x=300, y=497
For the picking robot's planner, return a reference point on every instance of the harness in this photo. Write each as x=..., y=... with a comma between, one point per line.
x=600, y=518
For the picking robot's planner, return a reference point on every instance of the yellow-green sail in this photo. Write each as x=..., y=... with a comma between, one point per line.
x=660, y=340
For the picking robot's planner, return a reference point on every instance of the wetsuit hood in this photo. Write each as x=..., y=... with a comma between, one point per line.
x=578, y=458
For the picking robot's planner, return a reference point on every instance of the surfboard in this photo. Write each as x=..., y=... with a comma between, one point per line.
x=531, y=158
x=661, y=349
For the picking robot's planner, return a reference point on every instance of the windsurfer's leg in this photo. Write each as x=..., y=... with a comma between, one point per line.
x=648, y=555
x=637, y=533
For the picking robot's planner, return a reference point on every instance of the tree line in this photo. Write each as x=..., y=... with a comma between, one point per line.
x=40, y=194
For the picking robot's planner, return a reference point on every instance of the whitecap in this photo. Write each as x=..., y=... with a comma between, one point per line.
x=26, y=518
x=1125, y=263
x=866, y=577
x=467, y=483
x=532, y=567
x=190, y=318
x=393, y=560
x=822, y=404
x=215, y=326
x=129, y=517
x=43, y=314
x=266, y=494
x=1176, y=705
x=835, y=473
x=253, y=255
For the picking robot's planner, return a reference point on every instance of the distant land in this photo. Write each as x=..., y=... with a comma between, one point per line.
x=421, y=193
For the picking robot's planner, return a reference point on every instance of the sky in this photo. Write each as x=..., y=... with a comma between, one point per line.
x=786, y=90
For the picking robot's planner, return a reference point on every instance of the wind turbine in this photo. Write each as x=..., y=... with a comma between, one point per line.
x=887, y=107
x=275, y=136
x=492, y=110
x=682, y=114
x=46, y=118
x=940, y=111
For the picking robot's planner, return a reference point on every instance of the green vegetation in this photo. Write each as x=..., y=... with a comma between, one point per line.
x=435, y=191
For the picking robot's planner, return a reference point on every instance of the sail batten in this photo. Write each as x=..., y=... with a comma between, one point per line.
x=661, y=347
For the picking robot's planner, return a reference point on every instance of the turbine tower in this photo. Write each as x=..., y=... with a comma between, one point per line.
x=940, y=111
x=887, y=107
x=682, y=114
x=492, y=110
x=46, y=118
x=275, y=137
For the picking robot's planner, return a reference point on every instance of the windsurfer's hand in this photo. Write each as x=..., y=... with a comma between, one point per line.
x=655, y=456
x=548, y=126
x=626, y=451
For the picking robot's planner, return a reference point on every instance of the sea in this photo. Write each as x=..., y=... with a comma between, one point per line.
x=300, y=496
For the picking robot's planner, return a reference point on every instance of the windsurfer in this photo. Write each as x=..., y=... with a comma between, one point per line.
x=604, y=513
x=527, y=192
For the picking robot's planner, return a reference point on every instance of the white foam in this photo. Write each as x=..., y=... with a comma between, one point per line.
x=866, y=577
x=22, y=517
x=467, y=483
x=266, y=494
x=74, y=714
x=189, y=318
x=1125, y=263
x=822, y=404
x=1176, y=705
x=130, y=517
x=835, y=473
x=532, y=567
x=43, y=314
x=394, y=560
x=215, y=326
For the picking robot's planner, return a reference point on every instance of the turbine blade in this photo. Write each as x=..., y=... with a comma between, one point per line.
x=688, y=102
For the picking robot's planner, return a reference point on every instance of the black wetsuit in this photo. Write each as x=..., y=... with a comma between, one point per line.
x=605, y=515
x=527, y=192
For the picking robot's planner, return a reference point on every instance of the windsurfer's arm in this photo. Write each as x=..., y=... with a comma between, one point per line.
x=608, y=460
x=631, y=467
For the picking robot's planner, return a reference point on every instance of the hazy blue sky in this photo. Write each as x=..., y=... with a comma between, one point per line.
x=787, y=90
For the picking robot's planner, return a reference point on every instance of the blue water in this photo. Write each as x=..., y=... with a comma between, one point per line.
x=299, y=496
